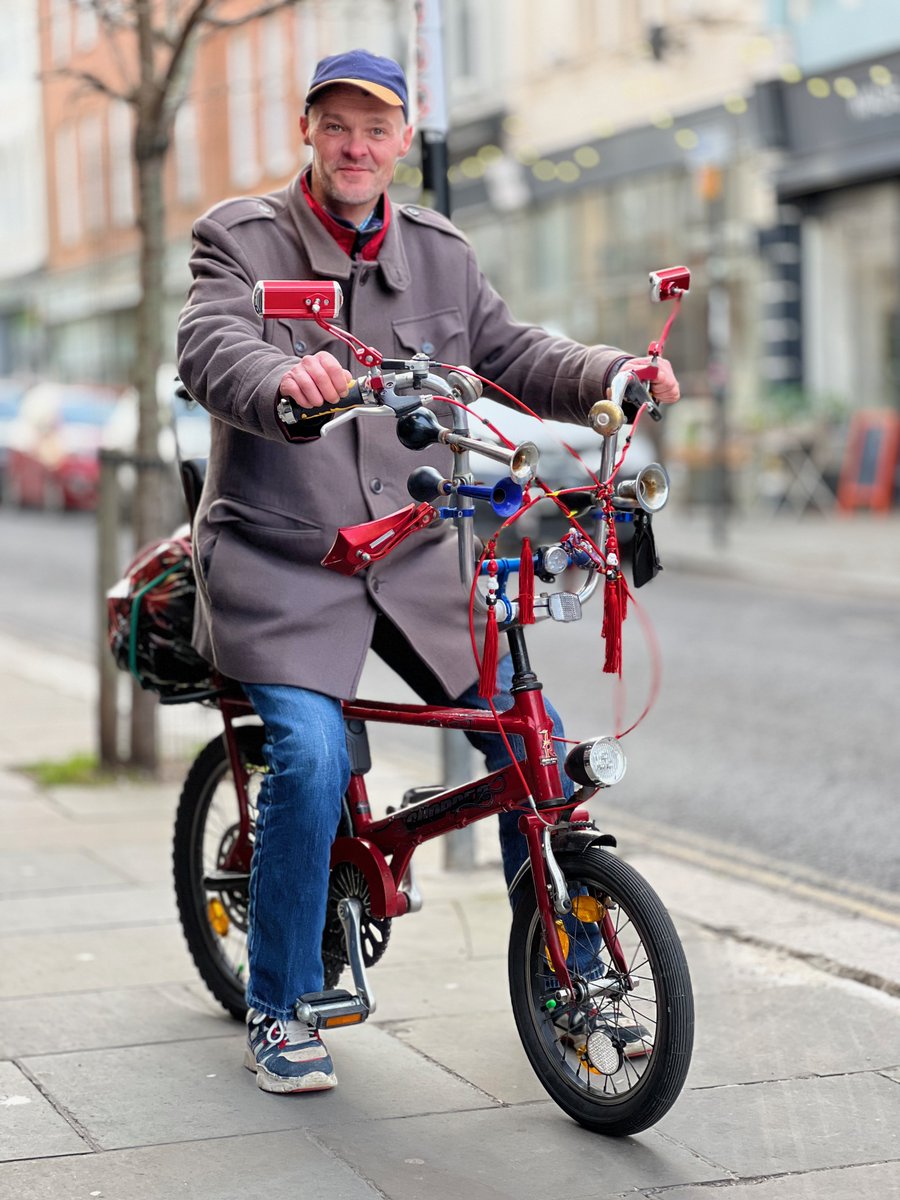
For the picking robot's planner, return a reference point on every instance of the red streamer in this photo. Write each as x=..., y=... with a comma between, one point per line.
x=487, y=678
x=526, y=584
x=615, y=606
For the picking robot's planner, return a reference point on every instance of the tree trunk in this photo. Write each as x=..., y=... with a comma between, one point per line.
x=149, y=511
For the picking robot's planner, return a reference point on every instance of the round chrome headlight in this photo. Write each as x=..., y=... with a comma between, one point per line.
x=598, y=763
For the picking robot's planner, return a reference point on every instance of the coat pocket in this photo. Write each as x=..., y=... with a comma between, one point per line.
x=267, y=531
x=441, y=335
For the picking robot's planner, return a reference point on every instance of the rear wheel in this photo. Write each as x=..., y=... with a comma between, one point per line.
x=213, y=902
x=616, y=1060
x=212, y=907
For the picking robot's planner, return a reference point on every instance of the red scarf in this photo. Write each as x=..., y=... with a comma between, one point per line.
x=344, y=234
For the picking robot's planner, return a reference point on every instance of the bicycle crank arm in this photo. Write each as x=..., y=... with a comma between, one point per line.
x=227, y=881
x=329, y=1010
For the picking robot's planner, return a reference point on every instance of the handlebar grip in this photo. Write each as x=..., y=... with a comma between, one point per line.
x=306, y=424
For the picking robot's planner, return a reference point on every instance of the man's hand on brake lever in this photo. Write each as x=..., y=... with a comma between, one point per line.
x=316, y=380
x=664, y=387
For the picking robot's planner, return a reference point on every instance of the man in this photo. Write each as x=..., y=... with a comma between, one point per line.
x=294, y=634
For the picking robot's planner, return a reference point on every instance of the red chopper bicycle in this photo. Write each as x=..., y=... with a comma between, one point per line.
x=599, y=983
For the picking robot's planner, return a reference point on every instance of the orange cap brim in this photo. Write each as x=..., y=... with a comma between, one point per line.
x=374, y=89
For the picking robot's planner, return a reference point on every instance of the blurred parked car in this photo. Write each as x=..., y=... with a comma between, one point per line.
x=183, y=430
x=53, y=446
x=11, y=393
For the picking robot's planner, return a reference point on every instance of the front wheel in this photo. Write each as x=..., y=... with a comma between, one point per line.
x=616, y=1060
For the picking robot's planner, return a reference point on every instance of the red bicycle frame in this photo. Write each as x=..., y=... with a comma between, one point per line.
x=382, y=848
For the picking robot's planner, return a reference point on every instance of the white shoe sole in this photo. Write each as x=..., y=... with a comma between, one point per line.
x=315, y=1081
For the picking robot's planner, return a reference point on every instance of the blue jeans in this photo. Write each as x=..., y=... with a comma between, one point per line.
x=299, y=808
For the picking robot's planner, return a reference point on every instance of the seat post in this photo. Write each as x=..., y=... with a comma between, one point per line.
x=524, y=679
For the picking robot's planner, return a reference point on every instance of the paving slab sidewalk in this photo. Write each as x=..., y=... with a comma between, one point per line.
x=121, y=1078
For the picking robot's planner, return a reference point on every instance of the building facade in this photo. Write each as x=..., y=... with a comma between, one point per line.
x=590, y=141
x=235, y=132
x=838, y=130
x=23, y=230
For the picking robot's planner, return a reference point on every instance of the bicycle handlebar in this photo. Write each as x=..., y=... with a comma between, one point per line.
x=417, y=428
x=380, y=390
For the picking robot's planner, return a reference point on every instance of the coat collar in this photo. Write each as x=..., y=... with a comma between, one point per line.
x=326, y=257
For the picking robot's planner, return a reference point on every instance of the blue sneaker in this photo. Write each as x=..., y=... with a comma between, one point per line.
x=287, y=1056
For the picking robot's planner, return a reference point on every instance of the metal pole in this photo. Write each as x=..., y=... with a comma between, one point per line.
x=718, y=328
x=434, y=170
x=431, y=96
x=456, y=752
x=107, y=531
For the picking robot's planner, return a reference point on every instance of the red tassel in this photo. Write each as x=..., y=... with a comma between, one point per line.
x=487, y=680
x=613, y=616
x=526, y=585
x=615, y=607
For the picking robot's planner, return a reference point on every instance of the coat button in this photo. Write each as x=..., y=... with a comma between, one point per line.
x=413, y=212
x=376, y=486
x=374, y=584
x=299, y=347
x=428, y=348
x=364, y=277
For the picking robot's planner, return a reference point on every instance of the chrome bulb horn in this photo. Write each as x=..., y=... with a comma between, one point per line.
x=649, y=490
x=521, y=461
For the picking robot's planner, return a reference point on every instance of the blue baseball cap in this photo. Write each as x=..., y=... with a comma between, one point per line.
x=381, y=77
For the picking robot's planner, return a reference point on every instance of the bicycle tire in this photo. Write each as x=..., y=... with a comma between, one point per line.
x=223, y=966
x=211, y=770
x=619, y=1095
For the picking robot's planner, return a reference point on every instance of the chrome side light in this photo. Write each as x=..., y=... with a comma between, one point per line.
x=598, y=763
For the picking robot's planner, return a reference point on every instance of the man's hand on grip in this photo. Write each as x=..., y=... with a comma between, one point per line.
x=664, y=387
x=316, y=380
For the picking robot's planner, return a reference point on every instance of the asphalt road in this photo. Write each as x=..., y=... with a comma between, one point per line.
x=772, y=740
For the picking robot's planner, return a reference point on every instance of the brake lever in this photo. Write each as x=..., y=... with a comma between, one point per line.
x=631, y=386
x=351, y=414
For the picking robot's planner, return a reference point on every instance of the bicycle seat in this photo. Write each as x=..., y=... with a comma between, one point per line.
x=193, y=473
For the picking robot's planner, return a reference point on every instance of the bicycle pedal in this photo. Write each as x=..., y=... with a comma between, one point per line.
x=331, y=1009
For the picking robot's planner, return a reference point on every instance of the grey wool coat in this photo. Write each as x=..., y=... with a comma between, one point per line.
x=268, y=611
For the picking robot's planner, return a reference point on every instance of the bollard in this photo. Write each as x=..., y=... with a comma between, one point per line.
x=108, y=570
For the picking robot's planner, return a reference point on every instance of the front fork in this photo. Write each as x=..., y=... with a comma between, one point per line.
x=554, y=902
x=551, y=892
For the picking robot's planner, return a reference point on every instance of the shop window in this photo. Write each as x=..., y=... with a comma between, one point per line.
x=60, y=31
x=243, y=143
x=86, y=25
x=94, y=178
x=275, y=124
x=68, y=195
x=306, y=42
x=188, y=164
x=121, y=175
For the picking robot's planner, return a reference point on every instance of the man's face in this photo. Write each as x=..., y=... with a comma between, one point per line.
x=356, y=141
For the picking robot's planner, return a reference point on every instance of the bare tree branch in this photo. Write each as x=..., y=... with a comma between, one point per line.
x=189, y=27
x=94, y=82
x=113, y=14
x=113, y=20
x=264, y=10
